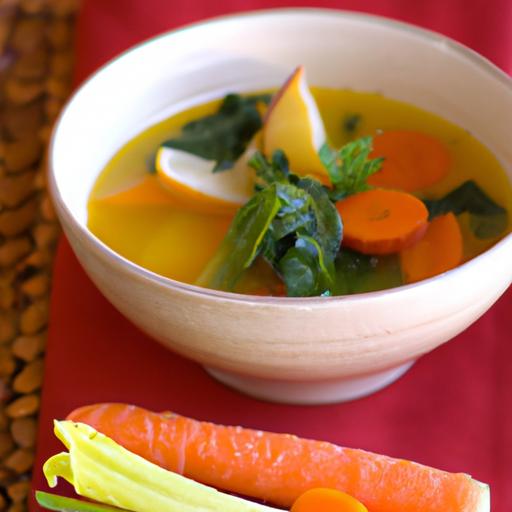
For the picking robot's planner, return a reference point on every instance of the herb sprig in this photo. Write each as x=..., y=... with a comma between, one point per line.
x=349, y=167
x=292, y=222
x=294, y=226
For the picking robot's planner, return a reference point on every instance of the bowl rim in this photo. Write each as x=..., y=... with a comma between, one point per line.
x=105, y=251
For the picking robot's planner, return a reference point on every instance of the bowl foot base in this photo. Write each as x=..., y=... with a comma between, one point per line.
x=310, y=393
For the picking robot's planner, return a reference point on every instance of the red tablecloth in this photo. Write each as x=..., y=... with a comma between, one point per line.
x=452, y=410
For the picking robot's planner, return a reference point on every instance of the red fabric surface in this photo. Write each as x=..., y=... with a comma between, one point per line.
x=452, y=410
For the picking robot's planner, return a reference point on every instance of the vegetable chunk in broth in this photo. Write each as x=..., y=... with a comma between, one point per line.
x=216, y=195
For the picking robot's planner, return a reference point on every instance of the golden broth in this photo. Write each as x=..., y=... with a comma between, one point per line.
x=177, y=243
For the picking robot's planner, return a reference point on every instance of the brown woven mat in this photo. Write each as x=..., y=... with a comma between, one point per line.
x=36, y=58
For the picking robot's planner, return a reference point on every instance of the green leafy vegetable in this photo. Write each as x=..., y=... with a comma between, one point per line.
x=298, y=268
x=242, y=243
x=360, y=273
x=222, y=136
x=296, y=211
x=487, y=219
x=329, y=227
x=299, y=235
x=488, y=226
x=305, y=270
x=292, y=222
x=63, y=504
x=350, y=167
x=305, y=236
x=274, y=171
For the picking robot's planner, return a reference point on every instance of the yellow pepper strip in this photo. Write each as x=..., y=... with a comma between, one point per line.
x=104, y=471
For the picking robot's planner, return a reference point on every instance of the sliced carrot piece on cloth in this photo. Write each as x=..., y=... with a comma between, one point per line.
x=321, y=499
x=279, y=468
x=412, y=160
x=382, y=221
x=441, y=249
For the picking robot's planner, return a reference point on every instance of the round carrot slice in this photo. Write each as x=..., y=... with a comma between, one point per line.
x=441, y=249
x=382, y=221
x=327, y=500
x=412, y=160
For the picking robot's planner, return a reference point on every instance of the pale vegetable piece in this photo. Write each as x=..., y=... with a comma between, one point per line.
x=190, y=179
x=103, y=471
x=294, y=125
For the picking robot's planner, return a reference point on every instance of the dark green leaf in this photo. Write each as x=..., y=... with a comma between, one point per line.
x=296, y=211
x=305, y=270
x=328, y=229
x=63, y=504
x=488, y=226
x=259, y=98
x=299, y=270
x=487, y=219
x=324, y=264
x=351, y=123
x=360, y=273
x=242, y=243
x=299, y=237
x=273, y=250
x=222, y=136
x=295, y=227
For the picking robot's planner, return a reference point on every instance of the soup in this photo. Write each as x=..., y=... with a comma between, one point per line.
x=137, y=215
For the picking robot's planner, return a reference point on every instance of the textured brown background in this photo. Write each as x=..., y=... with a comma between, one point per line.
x=36, y=59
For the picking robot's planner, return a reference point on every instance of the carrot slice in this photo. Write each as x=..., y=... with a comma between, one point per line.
x=412, y=160
x=327, y=500
x=441, y=249
x=382, y=221
x=280, y=467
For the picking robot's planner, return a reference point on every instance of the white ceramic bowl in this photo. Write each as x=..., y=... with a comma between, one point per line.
x=308, y=350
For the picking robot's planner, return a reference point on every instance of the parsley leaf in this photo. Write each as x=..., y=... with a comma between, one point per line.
x=349, y=167
x=275, y=170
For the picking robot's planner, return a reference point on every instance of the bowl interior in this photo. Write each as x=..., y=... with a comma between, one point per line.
x=250, y=52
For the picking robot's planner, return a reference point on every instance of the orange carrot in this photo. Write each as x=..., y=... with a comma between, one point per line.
x=382, y=221
x=412, y=160
x=327, y=500
x=278, y=290
x=280, y=467
x=148, y=191
x=441, y=249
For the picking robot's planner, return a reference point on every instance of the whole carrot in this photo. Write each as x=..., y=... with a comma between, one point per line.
x=280, y=467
